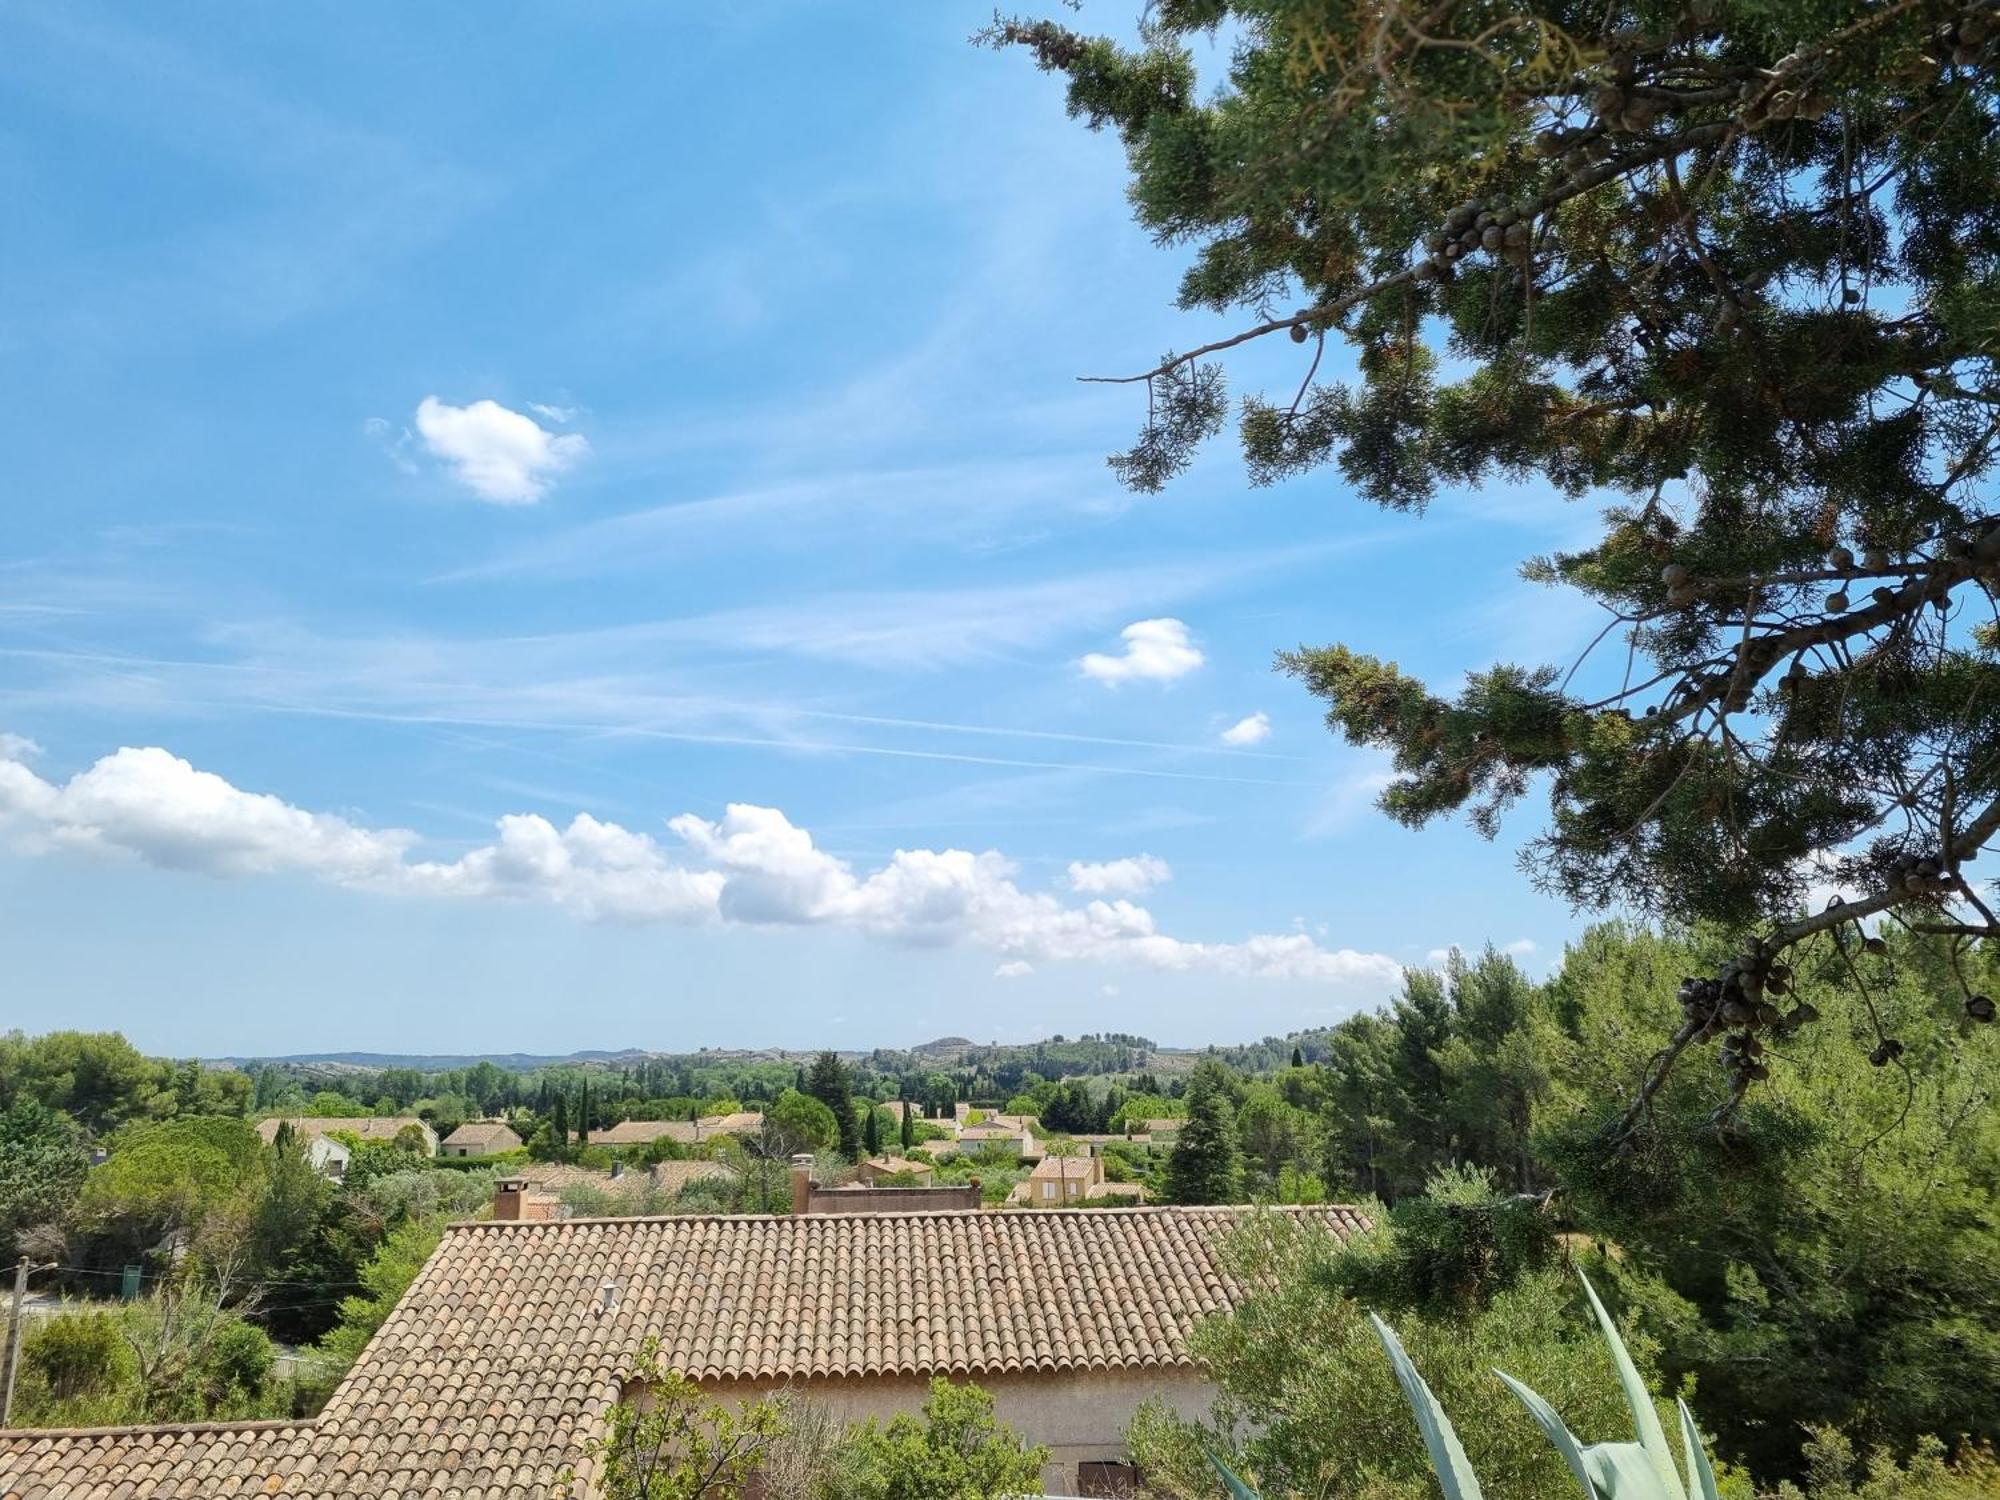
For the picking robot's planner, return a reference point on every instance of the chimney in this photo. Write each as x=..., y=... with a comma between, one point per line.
x=802, y=1184
x=607, y=1298
x=508, y=1194
x=617, y=1170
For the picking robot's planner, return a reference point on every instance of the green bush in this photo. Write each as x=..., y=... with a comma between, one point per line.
x=956, y=1451
x=77, y=1354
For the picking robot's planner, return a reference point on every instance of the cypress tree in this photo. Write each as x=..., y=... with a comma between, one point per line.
x=828, y=1082
x=583, y=1117
x=1298, y=1056
x=871, y=1131
x=909, y=1126
x=559, y=1124
x=1206, y=1166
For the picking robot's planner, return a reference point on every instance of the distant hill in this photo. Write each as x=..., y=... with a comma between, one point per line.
x=1055, y=1056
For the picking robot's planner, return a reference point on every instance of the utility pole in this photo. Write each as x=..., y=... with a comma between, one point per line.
x=14, y=1342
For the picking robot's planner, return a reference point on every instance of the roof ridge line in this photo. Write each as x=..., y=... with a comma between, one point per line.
x=255, y=1424
x=1203, y=1209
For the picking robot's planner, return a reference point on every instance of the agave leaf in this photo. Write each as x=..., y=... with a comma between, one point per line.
x=1237, y=1487
x=1448, y=1460
x=1624, y=1471
x=1652, y=1437
x=1701, y=1473
x=1558, y=1431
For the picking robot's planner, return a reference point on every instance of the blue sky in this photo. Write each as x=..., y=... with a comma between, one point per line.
x=420, y=418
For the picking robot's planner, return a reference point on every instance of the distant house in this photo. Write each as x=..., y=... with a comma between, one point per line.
x=1164, y=1132
x=877, y=1168
x=686, y=1132
x=382, y=1128
x=481, y=1138
x=1010, y=1138
x=329, y=1157
x=1059, y=1181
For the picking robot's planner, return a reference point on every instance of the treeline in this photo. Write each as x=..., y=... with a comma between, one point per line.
x=1824, y=1258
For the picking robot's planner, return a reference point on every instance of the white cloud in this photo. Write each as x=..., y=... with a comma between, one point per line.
x=159, y=807
x=1109, y=991
x=17, y=747
x=499, y=455
x=561, y=415
x=1119, y=877
x=752, y=866
x=1155, y=651
x=1520, y=947
x=1014, y=969
x=1253, y=730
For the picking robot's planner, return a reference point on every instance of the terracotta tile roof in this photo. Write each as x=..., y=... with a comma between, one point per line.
x=368, y=1127
x=499, y=1362
x=644, y=1132
x=205, y=1459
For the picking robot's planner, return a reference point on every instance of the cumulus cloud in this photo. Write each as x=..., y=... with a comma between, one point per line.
x=500, y=455
x=752, y=866
x=1119, y=877
x=17, y=747
x=1253, y=730
x=1155, y=651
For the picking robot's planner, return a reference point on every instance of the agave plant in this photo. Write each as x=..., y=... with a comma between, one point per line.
x=1639, y=1470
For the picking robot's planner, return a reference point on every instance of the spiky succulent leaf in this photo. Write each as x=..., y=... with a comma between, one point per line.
x=1701, y=1473
x=1448, y=1460
x=1237, y=1488
x=1558, y=1431
x=1652, y=1437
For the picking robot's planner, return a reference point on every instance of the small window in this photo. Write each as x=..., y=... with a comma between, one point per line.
x=1048, y=1190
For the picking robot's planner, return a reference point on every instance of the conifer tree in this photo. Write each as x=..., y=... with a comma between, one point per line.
x=909, y=1125
x=1298, y=1056
x=583, y=1116
x=1206, y=1166
x=828, y=1081
x=559, y=1124
x=871, y=1131
x=1731, y=269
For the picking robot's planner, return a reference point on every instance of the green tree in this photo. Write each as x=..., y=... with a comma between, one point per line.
x=1307, y=1403
x=42, y=1168
x=165, y=1177
x=909, y=1125
x=97, y=1078
x=1730, y=262
x=680, y=1444
x=1298, y=1056
x=1829, y=1259
x=829, y=1082
x=1205, y=1165
x=871, y=1128
x=803, y=1121
x=956, y=1450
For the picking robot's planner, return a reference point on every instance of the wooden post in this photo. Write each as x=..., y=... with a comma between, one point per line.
x=14, y=1342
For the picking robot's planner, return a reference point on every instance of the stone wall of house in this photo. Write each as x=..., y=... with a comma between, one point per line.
x=1080, y=1417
